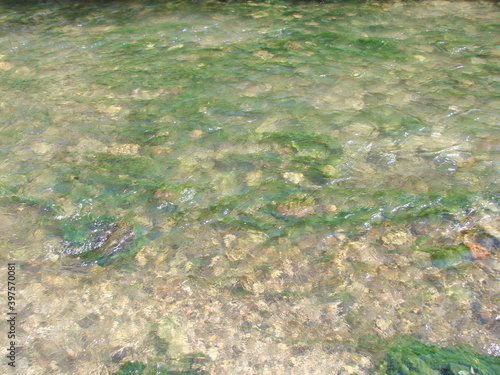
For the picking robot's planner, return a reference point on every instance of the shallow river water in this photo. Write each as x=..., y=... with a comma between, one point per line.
x=249, y=188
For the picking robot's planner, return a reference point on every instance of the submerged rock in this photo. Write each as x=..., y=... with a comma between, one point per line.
x=5, y=66
x=99, y=241
x=299, y=206
x=124, y=149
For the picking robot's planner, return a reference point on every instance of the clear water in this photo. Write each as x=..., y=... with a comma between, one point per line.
x=271, y=188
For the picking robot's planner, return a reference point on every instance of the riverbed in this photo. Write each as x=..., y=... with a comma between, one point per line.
x=249, y=188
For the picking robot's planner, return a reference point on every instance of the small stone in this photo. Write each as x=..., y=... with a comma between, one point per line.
x=229, y=239
x=88, y=321
x=294, y=177
x=164, y=194
x=260, y=14
x=398, y=238
x=332, y=208
x=257, y=89
x=298, y=207
x=349, y=369
x=161, y=150
x=294, y=45
x=477, y=60
x=119, y=354
x=23, y=70
x=477, y=250
x=359, y=129
x=141, y=257
x=493, y=264
x=41, y=147
x=5, y=66
x=330, y=240
x=268, y=125
x=253, y=178
x=263, y=54
x=355, y=103
x=111, y=110
x=124, y=149
x=197, y=133
x=329, y=171
x=177, y=46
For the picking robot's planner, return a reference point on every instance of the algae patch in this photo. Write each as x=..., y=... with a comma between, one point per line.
x=98, y=240
x=413, y=357
x=190, y=364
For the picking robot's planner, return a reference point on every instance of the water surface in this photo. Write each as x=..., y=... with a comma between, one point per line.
x=249, y=188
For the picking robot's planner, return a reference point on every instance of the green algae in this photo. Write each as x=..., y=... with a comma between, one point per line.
x=98, y=240
x=410, y=356
x=303, y=176
x=131, y=368
x=379, y=46
x=445, y=256
x=125, y=180
x=19, y=82
x=75, y=231
x=284, y=209
x=304, y=141
x=193, y=364
x=43, y=205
